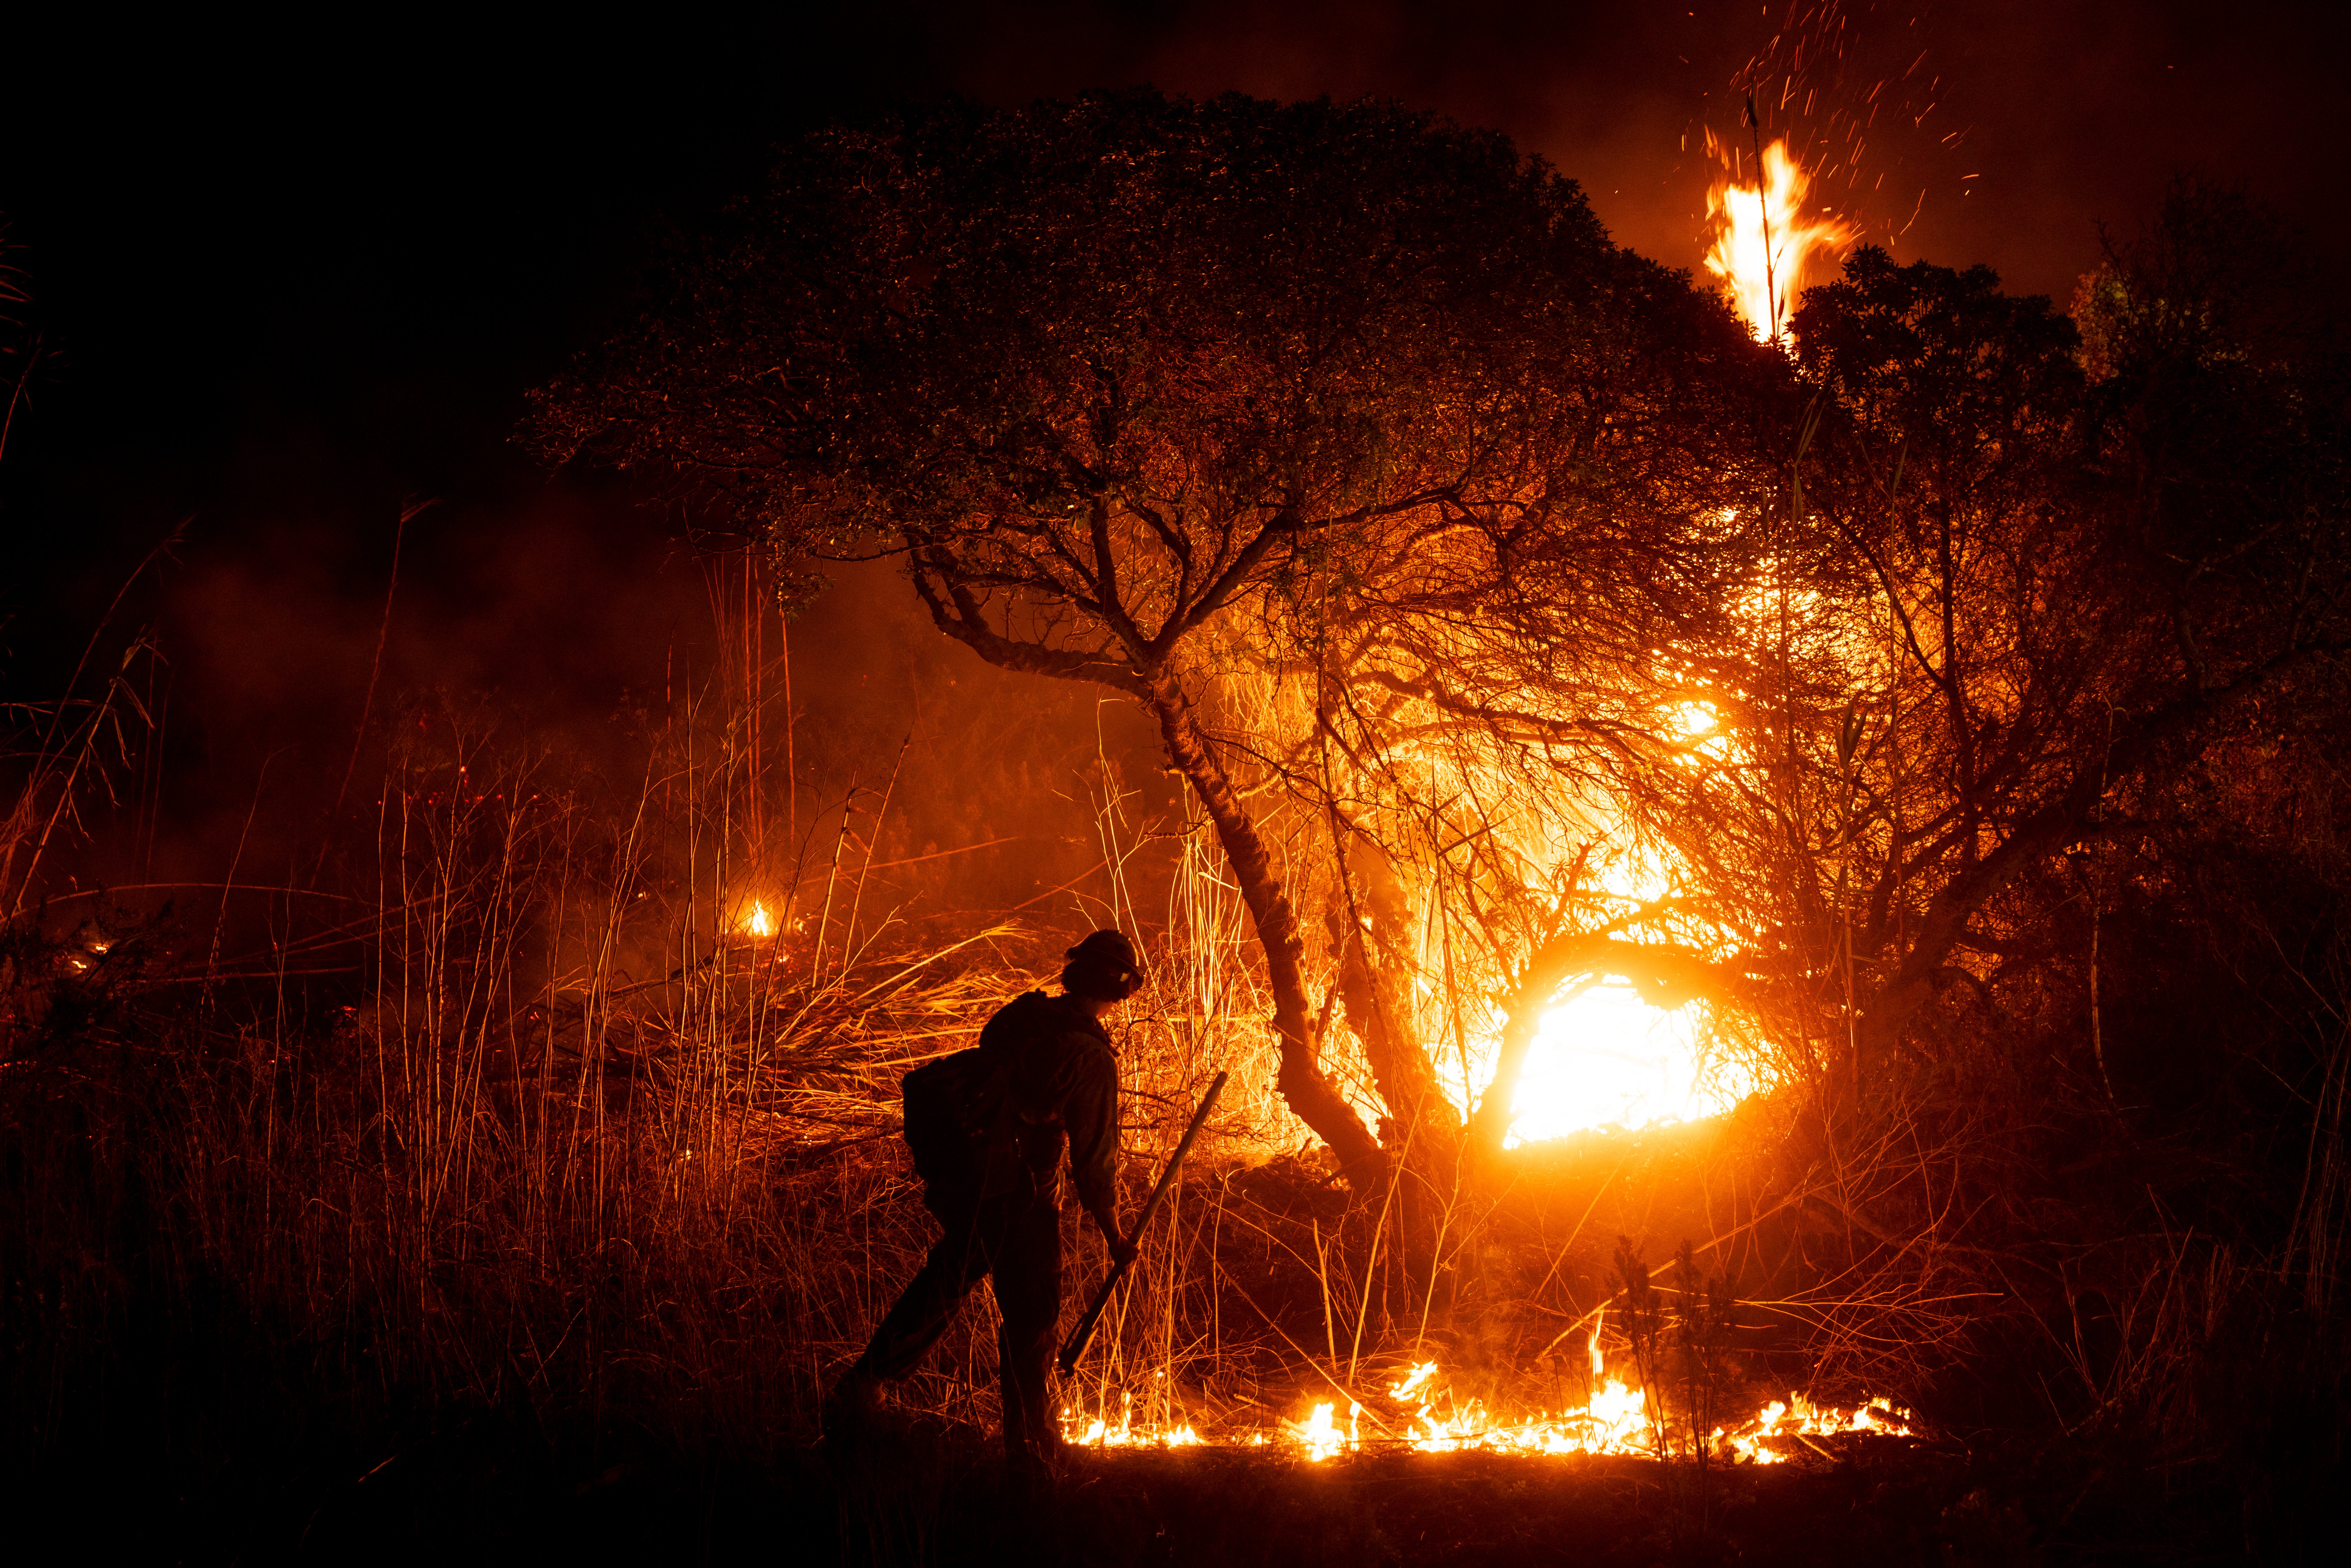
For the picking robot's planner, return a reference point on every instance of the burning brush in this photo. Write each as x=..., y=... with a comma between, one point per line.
x=1615, y=1419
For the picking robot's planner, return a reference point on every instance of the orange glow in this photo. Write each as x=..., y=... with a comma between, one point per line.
x=758, y=922
x=1764, y=275
x=1608, y=1059
x=1320, y=1436
x=1614, y=1420
x=1097, y=1432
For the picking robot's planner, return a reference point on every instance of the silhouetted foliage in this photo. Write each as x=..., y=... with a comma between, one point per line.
x=1947, y=704
x=1111, y=372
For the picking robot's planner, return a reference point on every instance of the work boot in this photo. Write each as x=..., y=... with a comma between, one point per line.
x=851, y=1406
x=1033, y=1463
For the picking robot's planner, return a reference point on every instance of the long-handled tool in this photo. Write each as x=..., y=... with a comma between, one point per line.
x=1075, y=1345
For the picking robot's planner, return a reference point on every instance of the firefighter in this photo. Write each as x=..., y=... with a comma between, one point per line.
x=987, y=1128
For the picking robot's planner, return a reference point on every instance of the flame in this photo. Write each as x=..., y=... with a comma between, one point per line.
x=1606, y=1056
x=757, y=923
x=1608, y=1059
x=1413, y=1381
x=1320, y=1436
x=1798, y=1418
x=1764, y=278
x=1614, y=1420
x=1098, y=1432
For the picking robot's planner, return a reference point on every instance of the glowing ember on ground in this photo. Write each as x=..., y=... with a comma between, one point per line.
x=1763, y=276
x=1615, y=1420
x=1800, y=1419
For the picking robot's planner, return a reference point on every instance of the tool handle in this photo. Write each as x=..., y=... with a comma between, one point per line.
x=1075, y=1346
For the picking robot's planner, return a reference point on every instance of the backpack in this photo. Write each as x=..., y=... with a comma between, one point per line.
x=958, y=1109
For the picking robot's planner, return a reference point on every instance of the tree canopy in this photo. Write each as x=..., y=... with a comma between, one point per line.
x=1566, y=621
x=1104, y=373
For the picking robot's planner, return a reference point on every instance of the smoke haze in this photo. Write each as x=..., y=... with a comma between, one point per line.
x=280, y=305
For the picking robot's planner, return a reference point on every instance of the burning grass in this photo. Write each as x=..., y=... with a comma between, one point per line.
x=559, y=1140
x=600, y=1228
x=567, y=1149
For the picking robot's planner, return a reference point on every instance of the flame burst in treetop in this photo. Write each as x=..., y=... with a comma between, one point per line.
x=1765, y=243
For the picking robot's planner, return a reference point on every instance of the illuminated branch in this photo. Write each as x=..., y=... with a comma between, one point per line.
x=2045, y=831
x=1302, y=1081
x=967, y=624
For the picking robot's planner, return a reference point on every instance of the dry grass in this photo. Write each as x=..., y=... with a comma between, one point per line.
x=522, y=1133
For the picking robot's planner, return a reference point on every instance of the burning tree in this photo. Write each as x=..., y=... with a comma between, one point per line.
x=2010, y=601
x=1153, y=395
x=1572, y=636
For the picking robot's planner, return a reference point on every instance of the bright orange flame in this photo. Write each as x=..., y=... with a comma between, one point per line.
x=1098, y=1432
x=1609, y=1058
x=1615, y=1419
x=1763, y=275
x=1412, y=1380
x=758, y=922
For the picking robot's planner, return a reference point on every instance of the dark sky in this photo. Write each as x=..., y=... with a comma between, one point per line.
x=292, y=278
x=262, y=253
x=2068, y=111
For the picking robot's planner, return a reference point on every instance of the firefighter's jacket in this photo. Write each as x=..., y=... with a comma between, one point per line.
x=1063, y=1089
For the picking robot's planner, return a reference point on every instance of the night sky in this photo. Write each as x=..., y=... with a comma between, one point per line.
x=291, y=279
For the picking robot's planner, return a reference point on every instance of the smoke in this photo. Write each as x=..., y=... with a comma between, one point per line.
x=567, y=628
x=284, y=337
x=997, y=783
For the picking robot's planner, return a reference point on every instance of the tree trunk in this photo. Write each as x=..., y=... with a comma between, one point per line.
x=1370, y=921
x=1309, y=1094
x=1420, y=1133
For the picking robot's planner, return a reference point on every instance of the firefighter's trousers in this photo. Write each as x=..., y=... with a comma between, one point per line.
x=1015, y=1239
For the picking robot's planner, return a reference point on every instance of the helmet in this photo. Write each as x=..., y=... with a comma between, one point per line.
x=1104, y=966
